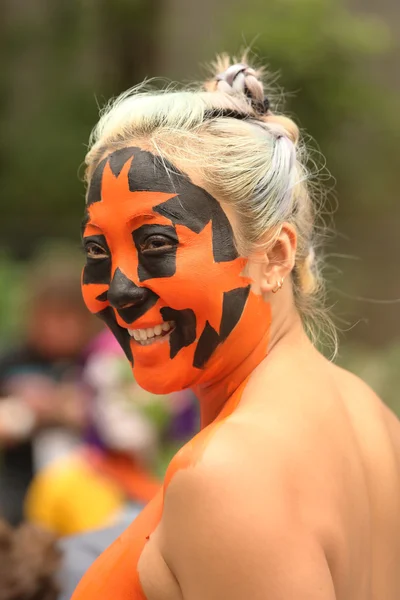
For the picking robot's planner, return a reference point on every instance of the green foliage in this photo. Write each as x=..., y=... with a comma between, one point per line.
x=11, y=276
x=378, y=368
x=318, y=48
x=62, y=60
x=323, y=57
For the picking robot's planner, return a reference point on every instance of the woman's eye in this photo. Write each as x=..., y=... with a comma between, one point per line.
x=95, y=251
x=157, y=242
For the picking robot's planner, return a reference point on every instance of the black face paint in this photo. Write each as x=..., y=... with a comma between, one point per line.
x=97, y=270
x=185, y=332
x=102, y=297
x=150, y=173
x=160, y=262
x=192, y=206
x=196, y=213
x=232, y=309
x=124, y=293
x=121, y=335
x=94, y=192
x=118, y=159
x=85, y=221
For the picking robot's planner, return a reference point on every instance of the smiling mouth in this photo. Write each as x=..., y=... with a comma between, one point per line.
x=178, y=328
x=151, y=335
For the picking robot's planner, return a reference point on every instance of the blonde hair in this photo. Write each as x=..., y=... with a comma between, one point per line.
x=247, y=156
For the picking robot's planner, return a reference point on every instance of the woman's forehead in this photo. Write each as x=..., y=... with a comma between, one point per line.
x=132, y=181
x=144, y=172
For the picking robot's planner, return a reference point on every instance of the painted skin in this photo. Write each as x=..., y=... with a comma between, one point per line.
x=193, y=277
x=161, y=249
x=272, y=449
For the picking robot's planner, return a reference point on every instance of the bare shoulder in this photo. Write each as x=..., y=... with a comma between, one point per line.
x=259, y=475
x=264, y=487
x=370, y=416
x=225, y=518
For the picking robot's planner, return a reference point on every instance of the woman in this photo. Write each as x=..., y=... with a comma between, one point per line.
x=200, y=237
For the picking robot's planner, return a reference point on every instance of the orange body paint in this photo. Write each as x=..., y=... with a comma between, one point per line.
x=114, y=575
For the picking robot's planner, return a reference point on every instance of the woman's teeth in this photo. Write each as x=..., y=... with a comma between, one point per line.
x=151, y=334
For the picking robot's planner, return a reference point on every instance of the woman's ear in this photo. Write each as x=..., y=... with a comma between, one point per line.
x=269, y=268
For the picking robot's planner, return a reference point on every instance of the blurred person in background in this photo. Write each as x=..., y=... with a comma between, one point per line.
x=201, y=238
x=129, y=437
x=35, y=565
x=30, y=563
x=42, y=399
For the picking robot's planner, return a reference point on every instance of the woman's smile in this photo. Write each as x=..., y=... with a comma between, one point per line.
x=151, y=335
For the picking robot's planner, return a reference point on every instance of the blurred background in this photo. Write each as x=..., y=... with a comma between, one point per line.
x=337, y=63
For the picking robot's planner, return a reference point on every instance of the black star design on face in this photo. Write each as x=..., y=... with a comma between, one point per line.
x=232, y=309
x=190, y=206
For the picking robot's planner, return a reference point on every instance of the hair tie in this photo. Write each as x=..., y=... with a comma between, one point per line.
x=231, y=73
x=226, y=83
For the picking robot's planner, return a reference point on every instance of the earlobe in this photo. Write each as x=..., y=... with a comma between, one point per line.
x=270, y=272
x=278, y=261
x=256, y=272
x=271, y=284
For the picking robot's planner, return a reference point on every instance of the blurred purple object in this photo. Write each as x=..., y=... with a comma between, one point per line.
x=185, y=422
x=104, y=342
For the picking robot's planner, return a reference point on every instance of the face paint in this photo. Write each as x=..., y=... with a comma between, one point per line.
x=161, y=254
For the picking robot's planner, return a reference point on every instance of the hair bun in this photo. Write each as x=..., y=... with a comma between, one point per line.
x=231, y=73
x=239, y=78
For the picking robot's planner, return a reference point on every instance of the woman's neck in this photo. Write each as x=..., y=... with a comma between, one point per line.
x=217, y=393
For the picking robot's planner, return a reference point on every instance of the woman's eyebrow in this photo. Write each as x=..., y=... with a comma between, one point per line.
x=87, y=221
x=142, y=216
x=131, y=219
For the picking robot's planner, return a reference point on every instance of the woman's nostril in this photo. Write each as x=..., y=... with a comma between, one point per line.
x=128, y=305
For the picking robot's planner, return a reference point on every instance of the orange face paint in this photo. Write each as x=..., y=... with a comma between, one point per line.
x=161, y=251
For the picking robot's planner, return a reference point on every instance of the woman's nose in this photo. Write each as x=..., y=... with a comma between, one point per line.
x=123, y=292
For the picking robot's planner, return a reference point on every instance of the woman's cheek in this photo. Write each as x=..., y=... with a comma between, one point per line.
x=91, y=294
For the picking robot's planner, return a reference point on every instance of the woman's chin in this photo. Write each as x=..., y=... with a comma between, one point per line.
x=158, y=381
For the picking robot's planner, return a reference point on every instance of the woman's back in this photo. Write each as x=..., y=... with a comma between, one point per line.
x=374, y=515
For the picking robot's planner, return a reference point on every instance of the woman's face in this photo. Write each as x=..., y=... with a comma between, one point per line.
x=162, y=271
